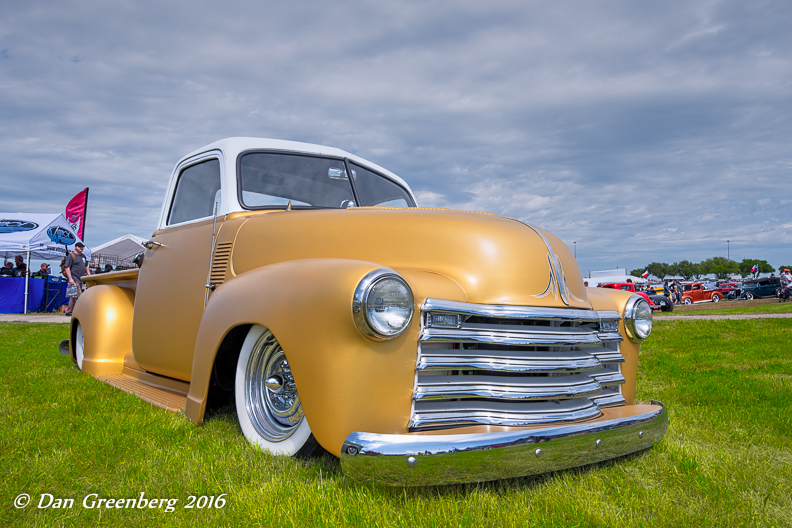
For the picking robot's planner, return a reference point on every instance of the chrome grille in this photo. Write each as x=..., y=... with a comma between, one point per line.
x=514, y=365
x=222, y=257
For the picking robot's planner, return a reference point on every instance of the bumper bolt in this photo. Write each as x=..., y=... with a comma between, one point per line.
x=598, y=442
x=538, y=453
x=352, y=450
x=640, y=434
x=411, y=462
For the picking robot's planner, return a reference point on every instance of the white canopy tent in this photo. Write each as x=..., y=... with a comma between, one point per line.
x=124, y=248
x=41, y=236
x=609, y=276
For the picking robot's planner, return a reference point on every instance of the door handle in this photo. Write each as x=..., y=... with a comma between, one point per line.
x=150, y=244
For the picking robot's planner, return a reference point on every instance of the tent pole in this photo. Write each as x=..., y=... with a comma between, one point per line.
x=27, y=281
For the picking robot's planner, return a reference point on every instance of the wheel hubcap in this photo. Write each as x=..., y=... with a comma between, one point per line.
x=271, y=398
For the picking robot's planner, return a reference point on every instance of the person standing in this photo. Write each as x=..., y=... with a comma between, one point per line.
x=74, y=267
x=786, y=285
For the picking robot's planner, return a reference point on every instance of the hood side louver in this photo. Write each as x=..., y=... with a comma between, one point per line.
x=222, y=257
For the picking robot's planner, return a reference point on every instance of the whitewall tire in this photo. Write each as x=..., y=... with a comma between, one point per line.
x=268, y=406
x=79, y=346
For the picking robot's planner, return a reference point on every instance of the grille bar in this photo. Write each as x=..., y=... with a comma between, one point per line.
x=455, y=414
x=513, y=312
x=507, y=361
x=506, y=388
x=609, y=398
x=443, y=335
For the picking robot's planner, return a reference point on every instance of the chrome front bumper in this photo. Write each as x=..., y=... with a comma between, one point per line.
x=424, y=460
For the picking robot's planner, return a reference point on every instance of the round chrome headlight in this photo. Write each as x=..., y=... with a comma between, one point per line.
x=638, y=318
x=382, y=305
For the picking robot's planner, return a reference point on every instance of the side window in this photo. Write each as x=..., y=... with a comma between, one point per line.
x=197, y=191
x=374, y=189
x=696, y=287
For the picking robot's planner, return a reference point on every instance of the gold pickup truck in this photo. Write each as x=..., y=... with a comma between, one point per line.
x=421, y=346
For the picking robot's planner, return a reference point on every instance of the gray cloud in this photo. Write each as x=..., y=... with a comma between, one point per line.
x=640, y=131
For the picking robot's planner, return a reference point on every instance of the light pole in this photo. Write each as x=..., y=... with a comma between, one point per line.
x=728, y=254
x=574, y=245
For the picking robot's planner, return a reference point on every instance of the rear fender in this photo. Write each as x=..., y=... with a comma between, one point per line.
x=105, y=314
x=346, y=381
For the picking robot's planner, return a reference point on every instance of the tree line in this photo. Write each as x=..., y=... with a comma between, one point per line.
x=721, y=267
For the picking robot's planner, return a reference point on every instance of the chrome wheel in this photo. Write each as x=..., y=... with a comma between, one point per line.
x=687, y=300
x=749, y=296
x=716, y=298
x=268, y=406
x=271, y=398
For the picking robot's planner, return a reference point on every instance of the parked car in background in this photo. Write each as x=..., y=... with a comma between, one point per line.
x=764, y=287
x=656, y=302
x=726, y=287
x=694, y=292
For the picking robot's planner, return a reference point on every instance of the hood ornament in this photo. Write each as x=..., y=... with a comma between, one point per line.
x=557, y=284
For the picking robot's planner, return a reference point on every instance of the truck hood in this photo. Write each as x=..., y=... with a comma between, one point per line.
x=494, y=260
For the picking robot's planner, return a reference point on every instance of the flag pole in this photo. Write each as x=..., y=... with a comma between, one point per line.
x=27, y=281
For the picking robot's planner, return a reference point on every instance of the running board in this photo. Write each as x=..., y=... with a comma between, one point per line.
x=166, y=393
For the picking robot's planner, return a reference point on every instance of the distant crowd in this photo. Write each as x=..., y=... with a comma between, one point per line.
x=18, y=268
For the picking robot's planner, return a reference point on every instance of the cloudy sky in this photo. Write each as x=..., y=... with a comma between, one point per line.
x=642, y=131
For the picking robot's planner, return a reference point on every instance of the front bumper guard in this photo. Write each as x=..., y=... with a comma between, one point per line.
x=425, y=460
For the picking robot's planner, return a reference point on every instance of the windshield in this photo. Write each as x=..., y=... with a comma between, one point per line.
x=272, y=180
x=267, y=179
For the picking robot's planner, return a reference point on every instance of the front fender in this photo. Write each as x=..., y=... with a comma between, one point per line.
x=346, y=381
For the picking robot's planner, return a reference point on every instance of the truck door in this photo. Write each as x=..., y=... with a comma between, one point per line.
x=171, y=286
x=696, y=293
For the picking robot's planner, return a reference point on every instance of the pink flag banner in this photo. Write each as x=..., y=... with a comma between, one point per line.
x=75, y=212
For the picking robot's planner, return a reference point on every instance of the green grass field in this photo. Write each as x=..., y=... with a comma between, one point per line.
x=726, y=459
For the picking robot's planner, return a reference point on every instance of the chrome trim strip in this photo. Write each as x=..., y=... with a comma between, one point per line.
x=512, y=312
x=424, y=460
x=557, y=283
x=448, y=335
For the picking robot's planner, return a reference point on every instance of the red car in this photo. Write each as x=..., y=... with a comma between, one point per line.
x=630, y=287
x=694, y=292
x=726, y=287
